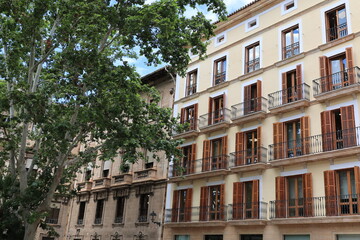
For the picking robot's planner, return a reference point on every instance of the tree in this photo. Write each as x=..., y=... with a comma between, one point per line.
x=65, y=82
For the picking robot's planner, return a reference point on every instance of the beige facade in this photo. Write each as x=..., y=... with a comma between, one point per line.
x=272, y=147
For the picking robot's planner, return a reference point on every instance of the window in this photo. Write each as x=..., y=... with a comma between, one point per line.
x=188, y=161
x=289, y=5
x=338, y=128
x=252, y=58
x=251, y=237
x=48, y=238
x=182, y=237
x=336, y=23
x=336, y=71
x=213, y=237
x=292, y=86
x=143, y=207
x=214, y=154
x=53, y=216
x=248, y=147
x=216, y=110
x=212, y=203
x=181, y=211
x=252, y=23
x=81, y=214
x=342, y=191
x=106, y=168
x=290, y=41
x=296, y=237
x=120, y=207
x=189, y=115
x=219, y=71
x=191, y=83
x=291, y=138
x=220, y=40
x=99, y=211
x=294, y=196
x=246, y=200
x=252, y=98
x=348, y=237
x=88, y=174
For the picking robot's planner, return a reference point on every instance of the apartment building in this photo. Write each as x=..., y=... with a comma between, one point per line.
x=116, y=201
x=271, y=148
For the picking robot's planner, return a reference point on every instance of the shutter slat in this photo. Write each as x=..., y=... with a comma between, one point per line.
x=305, y=134
x=284, y=88
x=300, y=87
x=330, y=193
x=348, y=126
x=238, y=201
x=206, y=156
x=280, y=205
x=188, y=205
x=350, y=65
x=239, y=149
x=255, y=199
x=307, y=180
x=326, y=129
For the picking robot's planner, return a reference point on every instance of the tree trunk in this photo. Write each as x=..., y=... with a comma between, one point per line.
x=30, y=230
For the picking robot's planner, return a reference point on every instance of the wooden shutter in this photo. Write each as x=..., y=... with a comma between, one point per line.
x=326, y=129
x=182, y=115
x=278, y=131
x=280, y=205
x=224, y=161
x=350, y=65
x=192, y=158
x=206, y=156
x=348, y=126
x=357, y=184
x=247, y=99
x=238, y=201
x=222, y=201
x=331, y=205
x=300, y=88
x=188, y=205
x=258, y=144
x=284, y=89
x=308, y=200
x=305, y=134
x=175, y=206
x=210, y=112
x=204, y=194
x=195, y=116
x=239, y=149
x=255, y=199
x=324, y=74
x=258, y=96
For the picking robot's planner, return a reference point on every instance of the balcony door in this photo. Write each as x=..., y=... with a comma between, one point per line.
x=214, y=154
x=212, y=203
x=181, y=210
x=248, y=147
x=293, y=138
x=295, y=190
x=246, y=200
x=252, y=98
x=292, y=89
x=336, y=23
x=339, y=77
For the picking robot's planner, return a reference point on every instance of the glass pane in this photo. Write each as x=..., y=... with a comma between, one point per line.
x=248, y=192
x=257, y=51
x=343, y=183
x=342, y=16
x=290, y=134
x=296, y=237
x=300, y=187
x=182, y=237
x=288, y=38
x=352, y=182
x=296, y=35
x=291, y=190
x=348, y=237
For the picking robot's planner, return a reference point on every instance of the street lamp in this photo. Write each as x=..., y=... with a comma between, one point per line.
x=153, y=215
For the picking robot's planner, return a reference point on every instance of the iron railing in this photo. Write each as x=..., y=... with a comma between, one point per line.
x=336, y=32
x=191, y=89
x=315, y=206
x=249, y=210
x=248, y=156
x=315, y=144
x=185, y=214
x=291, y=50
x=183, y=168
x=212, y=118
x=252, y=65
x=143, y=218
x=197, y=214
x=248, y=107
x=336, y=81
x=188, y=126
x=215, y=163
x=289, y=95
x=219, y=78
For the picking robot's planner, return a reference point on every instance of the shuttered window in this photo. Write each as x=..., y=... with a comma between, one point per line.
x=252, y=98
x=214, y=154
x=182, y=203
x=248, y=147
x=246, y=200
x=212, y=203
x=292, y=88
x=189, y=115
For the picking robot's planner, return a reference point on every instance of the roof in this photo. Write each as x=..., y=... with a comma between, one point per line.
x=240, y=9
x=156, y=75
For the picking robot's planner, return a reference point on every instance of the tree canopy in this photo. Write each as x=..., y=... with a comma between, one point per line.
x=65, y=82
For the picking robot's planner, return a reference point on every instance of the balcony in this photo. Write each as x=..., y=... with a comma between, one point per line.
x=122, y=179
x=326, y=207
x=248, y=111
x=214, y=121
x=184, y=168
x=101, y=183
x=291, y=50
x=336, y=32
x=337, y=85
x=190, y=129
x=341, y=143
x=145, y=175
x=290, y=99
x=247, y=160
x=248, y=211
x=84, y=186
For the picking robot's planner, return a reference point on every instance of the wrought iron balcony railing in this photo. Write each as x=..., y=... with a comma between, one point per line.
x=336, y=81
x=212, y=118
x=336, y=32
x=315, y=144
x=248, y=107
x=291, y=50
x=190, y=90
x=215, y=163
x=249, y=210
x=215, y=212
x=315, y=207
x=248, y=156
x=289, y=95
x=219, y=78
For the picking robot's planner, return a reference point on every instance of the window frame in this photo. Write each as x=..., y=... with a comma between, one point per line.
x=220, y=77
x=255, y=61
x=99, y=211
x=295, y=46
x=193, y=86
x=141, y=217
x=327, y=22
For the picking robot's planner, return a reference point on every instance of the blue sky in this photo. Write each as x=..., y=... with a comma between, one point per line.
x=140, y=63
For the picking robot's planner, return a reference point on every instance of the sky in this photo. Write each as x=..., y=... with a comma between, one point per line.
x=140, y=63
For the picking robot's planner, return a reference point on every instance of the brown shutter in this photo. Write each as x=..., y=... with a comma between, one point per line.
x=326, y=129
x=239, y=149
x=206, y=156
x=348, y=126
x=222, y=201
x=182, y=115
x=247, y=99
x=258, y=145
x=238, y=201
x=330, y=193
x=255, y=199
x=284, y=88
x=300, y=88
x=278, y=129
x=195, y=116
x=175, y=207
x=350, y=65
x=223, y=164
x=308, y=202
x=357, y=184
x=324, y=74
x=188, y=205
x=193, y=158
x=305, y=134
x=280, y=205
x=204, y=203
x=258, y=96
x=210, y=112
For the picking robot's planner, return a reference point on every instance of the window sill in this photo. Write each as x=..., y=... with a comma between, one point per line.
x=290, y=59
x=190, y=97
x=251, y=74
x=336, y=42
x=79, y=225
x=141, y=224
x=118, y=224
x=97, y=225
